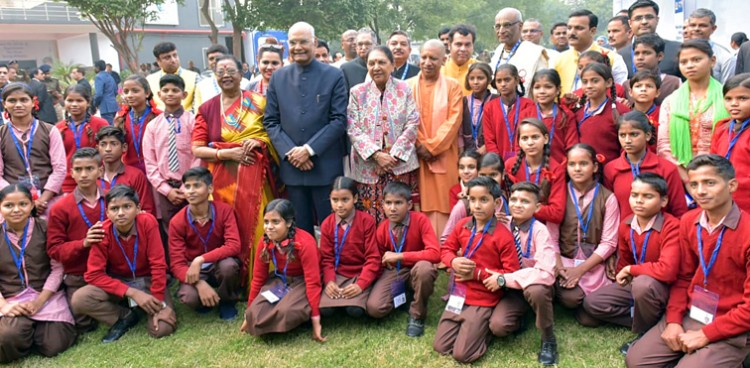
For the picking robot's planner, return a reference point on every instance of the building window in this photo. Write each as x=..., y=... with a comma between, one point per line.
x=214, y=8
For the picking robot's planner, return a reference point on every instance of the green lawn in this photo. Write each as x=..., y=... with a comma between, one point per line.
x=206, y=341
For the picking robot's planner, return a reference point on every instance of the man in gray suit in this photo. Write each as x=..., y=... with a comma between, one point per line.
x=644, y=17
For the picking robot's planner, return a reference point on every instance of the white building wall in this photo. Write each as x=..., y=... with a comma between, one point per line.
x=75, y=50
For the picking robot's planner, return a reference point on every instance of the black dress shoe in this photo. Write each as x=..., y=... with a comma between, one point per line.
x=121, y=327
x=415, y=327
x=626, y=346
x=548, y=355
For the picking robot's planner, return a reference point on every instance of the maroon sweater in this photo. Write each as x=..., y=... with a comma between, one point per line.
x=359, y=256
x=88, y=139
x=421, y=243
x=662, y=252
x=66, y=231
x=599, y=131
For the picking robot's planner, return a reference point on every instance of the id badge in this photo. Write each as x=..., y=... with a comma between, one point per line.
x=704, y=305
x=206, y=265
x=276, y=293
x=457, y=298
x=632, y=309
x=138, y=284
x=31, y=182
x=578, y=262
x=398, y=292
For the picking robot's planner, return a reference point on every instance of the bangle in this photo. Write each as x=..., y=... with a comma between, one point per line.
x=479, y=274
x=216, y=155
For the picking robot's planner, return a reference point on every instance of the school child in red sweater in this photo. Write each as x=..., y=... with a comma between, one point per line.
x=534, y=164
x=479, y=244
x=707, y=323
x=560, y=121
x=136, y=113
x=730, y=139
x=409, y=251
x=350, y=260
x=649, y=256
x=468, y=168
x=282, y=299
x=636, y=133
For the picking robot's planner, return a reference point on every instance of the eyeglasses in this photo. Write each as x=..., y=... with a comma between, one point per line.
x=364, y=45
x=223, y=72
x=505, y=25
x=647, y=17
x=525, y=31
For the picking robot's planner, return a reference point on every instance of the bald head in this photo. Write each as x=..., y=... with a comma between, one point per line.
x=431, y=58
x=510, y=13
x=434, y=44
x=303, y=27
x=348, y=44
x=302, y=43
x=508, y=23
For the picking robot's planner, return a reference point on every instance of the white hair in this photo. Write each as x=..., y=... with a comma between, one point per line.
x=307, y=27
x=513, y=11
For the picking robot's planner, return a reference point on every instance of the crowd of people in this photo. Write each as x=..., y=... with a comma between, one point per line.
x=604, y=181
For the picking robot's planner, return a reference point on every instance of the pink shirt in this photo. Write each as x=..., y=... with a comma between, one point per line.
x=540, y=267
x=156, y=150
x=596, y=277
x=56, y=155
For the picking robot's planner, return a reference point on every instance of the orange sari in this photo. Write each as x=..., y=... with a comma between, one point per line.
x=246, y=188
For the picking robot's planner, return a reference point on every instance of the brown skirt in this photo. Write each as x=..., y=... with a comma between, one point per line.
x=358, y=301
x=284, y=315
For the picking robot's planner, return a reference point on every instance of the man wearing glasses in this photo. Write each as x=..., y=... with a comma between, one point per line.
x=644, y=18
x=355, y=71
x=527, y=56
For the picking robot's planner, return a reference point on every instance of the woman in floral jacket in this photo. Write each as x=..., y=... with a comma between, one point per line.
x=383, y=121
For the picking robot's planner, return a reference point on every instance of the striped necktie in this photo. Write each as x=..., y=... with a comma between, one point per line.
x=174, y=164
x=517, y=241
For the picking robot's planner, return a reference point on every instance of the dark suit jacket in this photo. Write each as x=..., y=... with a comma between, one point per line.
x=307, y=105
x=105, y=94
x=355, y=72
x=667, y=65
x=743, y=59
x=412, y=71
x=46, y=108
x=85, y=83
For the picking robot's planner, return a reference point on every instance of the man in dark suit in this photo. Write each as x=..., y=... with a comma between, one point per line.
x=306, y=120
x=644, y=17
x=105, y=92
x=46, y=111
x=79, y=75
x=743, y=59
x=355, y=71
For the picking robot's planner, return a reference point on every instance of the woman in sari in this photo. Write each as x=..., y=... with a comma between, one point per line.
x=229, y=137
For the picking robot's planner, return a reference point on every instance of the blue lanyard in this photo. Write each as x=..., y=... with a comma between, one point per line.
x=77, y=134
x=210, y=229
x=651, y=109
x=276, y=266
x=476, y=124
x=18, y=258
x=587, y=114
x=527, y=253
x=575, y=82
x=635, y=169
x=505, y=207
x=528, y=173
x=131, y=264
x=554, y=120
x=733, y=140
x=632, y=60
x=584, y=225
x=644, y=246
x=337, y=248
x=401, y=245
x=406, y=71
x=101, y=212
x=25, y=156
x=510, y=54
x=511, y=132
x=178, y=127
x=707, y=268
x=111, y=184
x=138, y=137
x=469, y=252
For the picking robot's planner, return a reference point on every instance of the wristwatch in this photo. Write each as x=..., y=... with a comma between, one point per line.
x=501, y=281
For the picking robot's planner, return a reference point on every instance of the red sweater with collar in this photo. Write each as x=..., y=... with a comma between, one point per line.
x=359, y=256
x=618, y=178
x=131, y=157
x=88, y=139
x=729, y=276
x=565, y=134
x=495, y=128
x=306, y=262
x=137, y=180
x=662, y=251
x=421, y=243
x=740, y=158
x=185, y=244
x=553, y=207
x=66, y=231
x=107, y=264
x=497, y=253
x=599, y=131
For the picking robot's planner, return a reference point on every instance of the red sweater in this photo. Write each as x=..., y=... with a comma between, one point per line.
x=497, y=253
x=553, y=201
x=107, y=265
x=137, y=180
x=359, y=256
x=662, y=252
x=495, y=128
x=453, y=194
x=421, y=243
x=729, y=276
x=131, y=157
x=66, y=231
x=619, y=91
x=565, y=133
x=185, y=245
x=599, y=131
x=306, y=262
x=618, y=178
x=88, y=139
x=740, y=159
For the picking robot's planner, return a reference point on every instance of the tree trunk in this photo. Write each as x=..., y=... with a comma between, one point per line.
x=214, y=35
x=237, y=41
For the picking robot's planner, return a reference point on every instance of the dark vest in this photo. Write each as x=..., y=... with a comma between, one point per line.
x=569, y=226
x=36, y=258
x=41, y=164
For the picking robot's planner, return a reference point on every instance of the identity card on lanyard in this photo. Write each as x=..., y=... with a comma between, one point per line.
x=704, y=303
x=278, y=291
x=458, y=289
x=398, y=287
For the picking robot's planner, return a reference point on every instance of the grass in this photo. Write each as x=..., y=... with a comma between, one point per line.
x=206, y=341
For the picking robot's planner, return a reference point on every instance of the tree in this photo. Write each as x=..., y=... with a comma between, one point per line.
x=243, y=14
x=118, y=20
x=214, y=35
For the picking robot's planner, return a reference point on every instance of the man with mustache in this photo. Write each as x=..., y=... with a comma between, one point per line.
x=702, y=23
x=462, y=39
x=400, y=45
x=619, y=34
x=169, y=63
x=527, y=56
